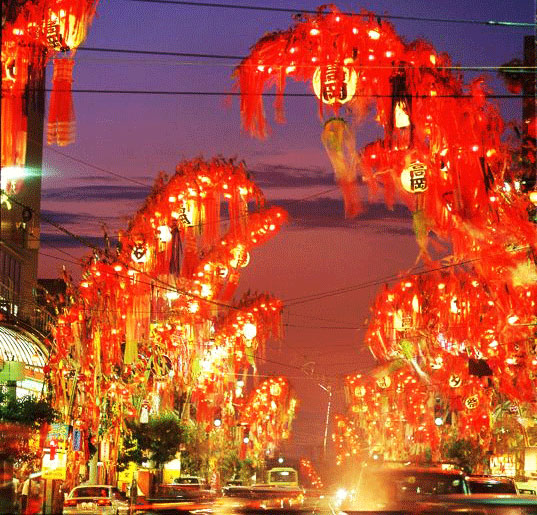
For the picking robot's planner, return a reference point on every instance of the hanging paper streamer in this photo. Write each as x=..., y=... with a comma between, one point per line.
x=61, y=118
x=338, y=141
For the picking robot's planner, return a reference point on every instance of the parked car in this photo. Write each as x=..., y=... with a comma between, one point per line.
x=95, y=500
x=235, y=488
x=193, y=487
x=482, y=484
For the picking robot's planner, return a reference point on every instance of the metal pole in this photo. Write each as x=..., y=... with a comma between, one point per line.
x=329, y=390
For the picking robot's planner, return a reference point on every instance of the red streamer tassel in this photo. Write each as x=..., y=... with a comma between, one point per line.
x=61, y=118
x=14, y=126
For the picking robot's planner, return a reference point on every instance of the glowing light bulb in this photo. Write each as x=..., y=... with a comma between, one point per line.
x=249, y=331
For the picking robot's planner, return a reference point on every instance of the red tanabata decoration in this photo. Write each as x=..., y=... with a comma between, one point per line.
x=267, y=416
x=66, y=23
x=18, y=53
x=308, y=471
x=40, y=30
x=442, y=150
x=156, y=320
x=444, y=156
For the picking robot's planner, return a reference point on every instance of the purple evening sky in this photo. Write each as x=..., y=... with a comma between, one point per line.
x=136, y=136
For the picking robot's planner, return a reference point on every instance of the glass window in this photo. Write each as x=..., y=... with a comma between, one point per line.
x=91, y=491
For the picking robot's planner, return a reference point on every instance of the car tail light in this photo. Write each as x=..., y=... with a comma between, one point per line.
x=104, y=502
x=70, y=502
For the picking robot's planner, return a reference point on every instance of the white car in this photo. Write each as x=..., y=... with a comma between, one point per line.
x=95, y=500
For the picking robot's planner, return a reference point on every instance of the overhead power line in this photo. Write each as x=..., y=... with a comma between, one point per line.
x=266, y=94
x=489, y=23
x=161, y=53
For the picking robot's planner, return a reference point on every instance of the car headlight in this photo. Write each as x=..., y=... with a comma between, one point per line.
x=341, y=495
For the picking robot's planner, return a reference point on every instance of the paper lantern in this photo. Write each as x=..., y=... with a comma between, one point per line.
x=455, y=381
x=249, y=331
x=472, y=402
x=335, y=84
x=414, y=178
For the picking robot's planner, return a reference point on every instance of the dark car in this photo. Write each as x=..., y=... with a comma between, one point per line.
x=491, y=485
x=387, y=488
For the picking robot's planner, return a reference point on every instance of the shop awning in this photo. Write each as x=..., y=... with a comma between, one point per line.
x=21, y=346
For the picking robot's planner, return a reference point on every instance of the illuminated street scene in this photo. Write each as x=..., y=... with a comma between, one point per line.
x=258, y=257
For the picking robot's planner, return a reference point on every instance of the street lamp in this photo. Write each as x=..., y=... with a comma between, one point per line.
x=329, y=390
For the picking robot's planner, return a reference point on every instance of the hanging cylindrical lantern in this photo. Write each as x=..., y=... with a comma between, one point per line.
x=61, y=117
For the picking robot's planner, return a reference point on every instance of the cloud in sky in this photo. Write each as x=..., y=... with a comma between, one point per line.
x=97, y=193
x=64, y=241
x=282, y=176
x=328, y=212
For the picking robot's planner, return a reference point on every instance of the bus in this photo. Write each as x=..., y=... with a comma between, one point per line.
x=282, y=476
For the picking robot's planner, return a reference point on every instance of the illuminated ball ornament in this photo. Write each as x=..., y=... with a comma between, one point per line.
x=164, y=233
x=338, y=86
x=384, y=382
x=414, y=177
x=437, y=363
x=360, y=391
x=240, y=257
x=12, y=179
x=275, y=389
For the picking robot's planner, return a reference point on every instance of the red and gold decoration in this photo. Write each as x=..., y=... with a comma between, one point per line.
x=307, y=470
x=155, y=321
x=34, y=33
x=268, y=415
x=442, y=150
x=459, y=337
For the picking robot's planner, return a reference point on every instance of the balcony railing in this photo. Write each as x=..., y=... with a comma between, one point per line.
x=25, y=313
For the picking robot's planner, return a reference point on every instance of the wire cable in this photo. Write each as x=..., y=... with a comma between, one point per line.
x=269, y=94
x=518, y=68
x=496, y=23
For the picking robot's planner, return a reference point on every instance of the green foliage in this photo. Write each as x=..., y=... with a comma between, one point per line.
x=28, y=410
x=158, y=440
x=129, y=451
x=465, y=453
x=19, y=418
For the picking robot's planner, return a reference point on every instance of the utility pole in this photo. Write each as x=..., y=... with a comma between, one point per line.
x=327, y=389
